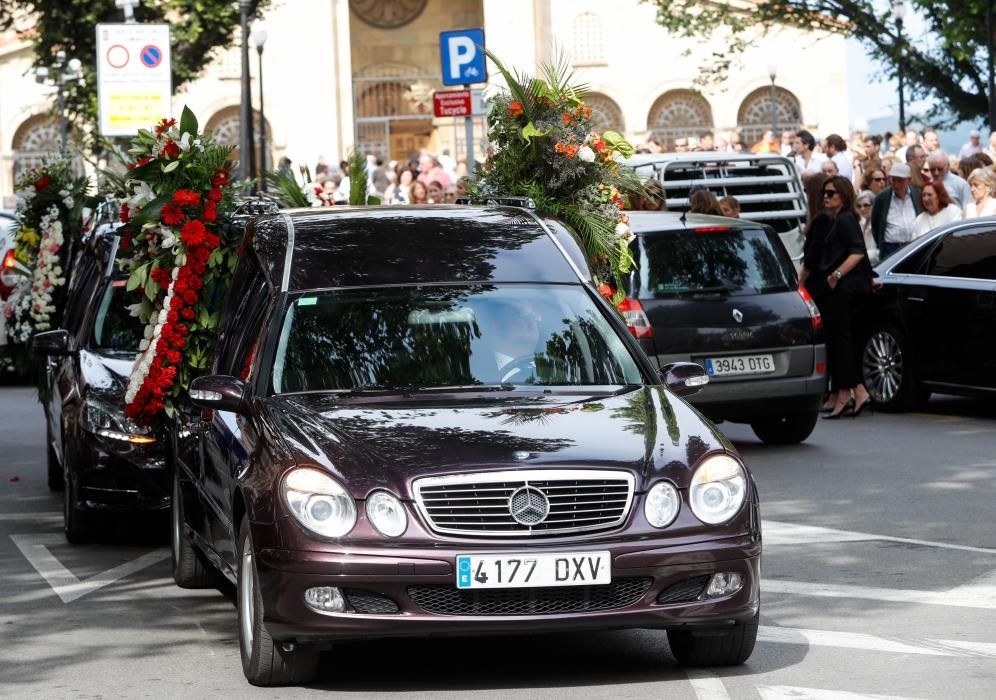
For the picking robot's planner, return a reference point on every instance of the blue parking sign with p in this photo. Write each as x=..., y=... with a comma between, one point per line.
x=462, y=53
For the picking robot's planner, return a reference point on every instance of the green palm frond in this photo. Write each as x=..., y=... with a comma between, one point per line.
x=286, y=189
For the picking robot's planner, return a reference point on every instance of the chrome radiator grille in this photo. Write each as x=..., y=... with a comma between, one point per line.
x=531, y=503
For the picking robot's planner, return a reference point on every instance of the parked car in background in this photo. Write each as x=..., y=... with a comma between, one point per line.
x=767, y=186
x=102, y=461
x=12, y=272
x=425, y=421
x=932, y=325
x=724, y=294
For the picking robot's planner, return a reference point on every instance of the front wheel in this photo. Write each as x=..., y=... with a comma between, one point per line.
x=55, y=480
x=785, y=430
x=75, y=521
x=264, y=661
x=729, y=648
x=190, y=570
x=888, y=370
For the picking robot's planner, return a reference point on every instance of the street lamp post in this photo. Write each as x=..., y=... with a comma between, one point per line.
x=72, y=72
x=773, y=73
x=259, y=38
x=898, y=13
x=247, y=165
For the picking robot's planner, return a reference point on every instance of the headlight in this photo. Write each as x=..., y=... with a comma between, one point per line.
x=719, y=487
x=109, y=421
x=387, y=514
x=319, y=503
x=661, y=505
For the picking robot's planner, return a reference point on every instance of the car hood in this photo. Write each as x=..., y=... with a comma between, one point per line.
x=105, y=376
x=646, y=431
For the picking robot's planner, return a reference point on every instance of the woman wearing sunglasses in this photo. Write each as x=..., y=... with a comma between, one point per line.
x=848, y=274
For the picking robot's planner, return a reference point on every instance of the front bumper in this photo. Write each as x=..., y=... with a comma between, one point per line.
x=284, y=575
x=119, y=476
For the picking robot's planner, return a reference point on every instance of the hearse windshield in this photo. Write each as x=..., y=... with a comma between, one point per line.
x=448, y=336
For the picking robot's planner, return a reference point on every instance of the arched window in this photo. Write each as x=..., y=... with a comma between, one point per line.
x=605, y=113
x=225, y=127
x=34, y=140
x=588, y=40
x=755, y=114
x=679, y=113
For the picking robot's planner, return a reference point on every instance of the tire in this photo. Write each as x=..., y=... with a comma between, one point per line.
x=264, y=661
x=730, y=648
x=76, y=523
x=889, y=372
x=190, y=569
x=785, y=430
x=55, y=479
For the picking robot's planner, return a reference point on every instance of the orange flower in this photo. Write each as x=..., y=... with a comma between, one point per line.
x=566, y=118
x=515, y=109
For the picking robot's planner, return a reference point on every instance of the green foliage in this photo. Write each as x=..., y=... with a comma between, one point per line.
x=198, y=29
x=950, y=67
x=357, y=178
x=284, y=187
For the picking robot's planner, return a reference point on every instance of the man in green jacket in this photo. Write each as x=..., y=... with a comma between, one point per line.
x=894, y=211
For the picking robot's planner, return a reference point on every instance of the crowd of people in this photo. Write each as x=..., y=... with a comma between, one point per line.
x=422, y=179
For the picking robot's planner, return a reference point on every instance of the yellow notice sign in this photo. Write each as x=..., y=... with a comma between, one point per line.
x=134, y=80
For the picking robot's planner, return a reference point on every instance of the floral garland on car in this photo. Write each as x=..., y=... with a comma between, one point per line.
x=50, y=204
x=546, y=148
x=181, y=256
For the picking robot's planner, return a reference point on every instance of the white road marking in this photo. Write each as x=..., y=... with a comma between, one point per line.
x=707, y=686
x=18, y=517
x=789, y=692
x=962, y=597
x=63, y=581
x=777, y=533
x=844, y=640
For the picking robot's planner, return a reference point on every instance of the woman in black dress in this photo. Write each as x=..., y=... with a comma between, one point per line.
x=845, y=268
x=817, y=227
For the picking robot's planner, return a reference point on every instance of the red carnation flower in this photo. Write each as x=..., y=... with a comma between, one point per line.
x=163, y=125
x=188, y=314
x=173, y=356
x=215, y=194
x=192, y=233
x=126, y=241
x=171, y=149
x=210, y=211
x=42, y=182
x=186, y=198
x=171, y=214
x=124, y=214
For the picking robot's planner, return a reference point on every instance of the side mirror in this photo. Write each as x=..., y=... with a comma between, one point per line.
x=220, y=392
x=57, y=343
x=684, y=378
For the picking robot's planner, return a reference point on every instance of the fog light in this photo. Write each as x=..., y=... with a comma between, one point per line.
x=724, y=584
x=325, y=599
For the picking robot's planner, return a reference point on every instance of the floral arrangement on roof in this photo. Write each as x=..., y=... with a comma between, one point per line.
x=546, y=148
x=291, y=193
x=180, y=253
x=50, y=205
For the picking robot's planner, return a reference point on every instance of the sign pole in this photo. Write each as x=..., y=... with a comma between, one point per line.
x=468, y=123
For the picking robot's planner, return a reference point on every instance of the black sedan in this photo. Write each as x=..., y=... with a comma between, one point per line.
x=933, y=322
x=104, y=461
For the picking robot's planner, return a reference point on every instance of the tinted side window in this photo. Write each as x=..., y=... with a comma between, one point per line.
x=81, y=291
x=968, y=254
x=243, y=319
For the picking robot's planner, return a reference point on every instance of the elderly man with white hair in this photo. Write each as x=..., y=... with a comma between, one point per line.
x=940, y=169
x=894, y=212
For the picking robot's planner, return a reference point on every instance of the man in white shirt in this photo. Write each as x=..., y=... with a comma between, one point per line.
x=957, y=187
x=806, y=161
x=836, y=148
x=894, y=212
x=973, y=146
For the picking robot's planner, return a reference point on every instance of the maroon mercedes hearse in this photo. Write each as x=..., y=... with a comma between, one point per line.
x=425, y=421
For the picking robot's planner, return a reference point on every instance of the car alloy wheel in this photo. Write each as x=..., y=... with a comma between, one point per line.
x=882, y=366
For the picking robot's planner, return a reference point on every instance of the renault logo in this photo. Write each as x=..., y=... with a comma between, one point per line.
x=738, y=316
x=528, y=506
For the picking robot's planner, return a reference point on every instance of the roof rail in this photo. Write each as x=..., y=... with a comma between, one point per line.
x=524, y=202
x=257, y=206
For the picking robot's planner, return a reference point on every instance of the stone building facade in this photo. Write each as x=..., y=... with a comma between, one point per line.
x=339, y=73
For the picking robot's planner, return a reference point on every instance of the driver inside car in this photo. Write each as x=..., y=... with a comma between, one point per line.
x=511, y=331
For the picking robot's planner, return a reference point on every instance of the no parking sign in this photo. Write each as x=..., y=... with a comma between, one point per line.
x=134, y=81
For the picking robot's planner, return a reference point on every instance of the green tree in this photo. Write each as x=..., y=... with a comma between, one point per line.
x=948, y=64
x=198, y=28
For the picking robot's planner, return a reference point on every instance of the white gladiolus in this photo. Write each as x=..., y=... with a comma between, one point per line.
x=586, y=154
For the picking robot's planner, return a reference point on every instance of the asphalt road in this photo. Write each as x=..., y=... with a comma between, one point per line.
x=879, y=580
